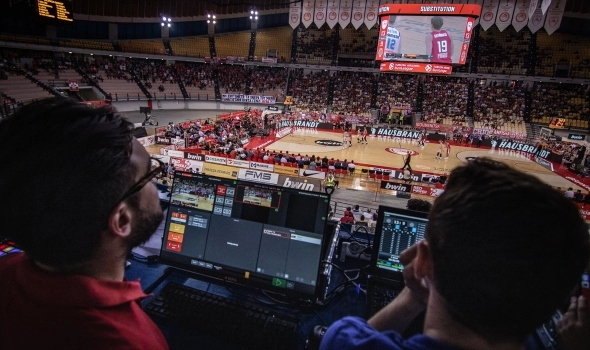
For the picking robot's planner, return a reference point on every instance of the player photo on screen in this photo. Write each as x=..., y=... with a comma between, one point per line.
x=193, y=194
x=257, y=196
x=435, y=39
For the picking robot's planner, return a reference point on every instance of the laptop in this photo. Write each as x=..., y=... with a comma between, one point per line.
x=396, y=230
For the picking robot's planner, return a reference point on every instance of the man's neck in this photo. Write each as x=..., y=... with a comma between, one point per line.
x=442, y=327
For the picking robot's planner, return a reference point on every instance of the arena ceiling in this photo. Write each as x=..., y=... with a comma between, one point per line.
x=193, y=8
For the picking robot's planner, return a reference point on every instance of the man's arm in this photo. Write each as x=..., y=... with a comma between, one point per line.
x=398, y=314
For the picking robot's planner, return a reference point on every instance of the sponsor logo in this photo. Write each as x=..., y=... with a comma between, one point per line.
x=518, y=146
x=437, y=8
x=298, y=185
x=273, y=108
x=402, y=151
x=214, y=159
x=421, y=190
x=328, y=143
x=395, y=133
x=164, y=140
x=262, y=166
x=470, y=159
x=544, y=163
x=395, y=186
x=194, y=156
x=578, y=182
x=238, y=163
x=384, y=9
x=258, y=175
x=312, y=174
x=575, y=137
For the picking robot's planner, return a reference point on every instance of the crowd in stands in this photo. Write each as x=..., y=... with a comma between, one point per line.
x=261, y=80
x=397, y=90
x=315, y=45
x=498, y=103
x=310, y=91
x=445, y=98
x=352, y=93
x=502, y=52
x=561, y=101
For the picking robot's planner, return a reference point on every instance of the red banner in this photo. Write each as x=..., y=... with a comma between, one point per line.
x=410, y=67
x=428, y=126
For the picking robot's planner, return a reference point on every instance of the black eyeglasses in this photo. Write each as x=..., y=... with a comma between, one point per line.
x=156, y=167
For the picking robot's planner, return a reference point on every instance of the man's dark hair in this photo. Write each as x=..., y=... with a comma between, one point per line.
x=419, y=205
x=437, y=22
x=67, y=166
x=506, y=249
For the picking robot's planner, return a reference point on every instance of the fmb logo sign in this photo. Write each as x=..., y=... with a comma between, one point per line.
x=402, y=151
x=330, y=143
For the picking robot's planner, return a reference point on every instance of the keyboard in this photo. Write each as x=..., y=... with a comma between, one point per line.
x=378, y=297
x=248, y=324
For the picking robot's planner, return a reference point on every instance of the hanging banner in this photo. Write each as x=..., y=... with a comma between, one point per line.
x=358, y=13
x=554, y=16
x=345, y=10
x=545, y=6
x=371, y=13
x=488, y=13
x=332, y=10
x=307, y=14
x=533, y=7
x=505, y=12
x=73, y=84
x=295, y=14
x=480, y=3
x=320, y=13
x=521, y=16
x=536, y=21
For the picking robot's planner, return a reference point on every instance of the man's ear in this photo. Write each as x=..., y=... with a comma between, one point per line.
x=423, y=262
x=120, y=220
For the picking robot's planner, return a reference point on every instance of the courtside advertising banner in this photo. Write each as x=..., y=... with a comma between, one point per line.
x=262, y=166
x=248, y=98
x=410, y=67
x=258, y=176
x=186, y=165
x=287, y=170
x=238, y=163
x=312, y=174
x=224, y=171
x=214, y=159
x=171, y=153
x=300, y=183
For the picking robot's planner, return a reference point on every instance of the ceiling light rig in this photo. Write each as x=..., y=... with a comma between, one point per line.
x=211, y=18
x=254, y=15
x=166, y=22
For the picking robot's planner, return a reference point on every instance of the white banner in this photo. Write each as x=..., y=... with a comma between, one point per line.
x=332, y=10
x=505, y=12
x=476, y=2
x=262, y=166
x=248, y=98
x=371, y=13
x=258, y=176
x=533, y=7
x=187, y=165
x=214, y=159
x=239, y=163
x=537, y=20
x=307, y=13
x=545, y=6
x=295, y=14
x=312, y=174
x=358, y=13
x=521, y=14
x=171, y=153
x=488, y=13
x=269, y=60
x=320, y=13
x=554, y=16
x=344, y=14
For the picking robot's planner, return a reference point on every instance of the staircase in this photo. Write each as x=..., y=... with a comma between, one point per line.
x=532, y=131
x=140, y=84
x=213, y=54
x=39, y=83
x=91, y=82
x=168, y=48
x=470, y=122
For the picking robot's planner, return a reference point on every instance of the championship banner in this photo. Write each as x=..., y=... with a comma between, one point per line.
x=320, y=13
x=408, y=67
x=536, y=21
x=554, y=16
x=505, y=12
x=307, y=15
x=371, y=13
x=344, y=14
x=521, y=14
x=476, y=2
x=533, y=7
x=332, y=17
x=224, y=171
x=187, y=165
x=248, y=98
x=295, y=14
x=545, y=6
x=73, y=84
x=358, y=13
x=488, y=13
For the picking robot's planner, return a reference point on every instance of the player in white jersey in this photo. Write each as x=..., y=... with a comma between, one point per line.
x=448, y=145
x=393, y=40
x=440, y=151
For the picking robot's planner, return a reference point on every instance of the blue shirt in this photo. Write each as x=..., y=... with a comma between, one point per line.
x=356, y=333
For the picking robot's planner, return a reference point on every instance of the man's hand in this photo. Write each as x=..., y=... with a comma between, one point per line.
x=574, y=326
x=407, y=258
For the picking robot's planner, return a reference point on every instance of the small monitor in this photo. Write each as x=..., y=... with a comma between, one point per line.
x=253, y=234
x=396, y=230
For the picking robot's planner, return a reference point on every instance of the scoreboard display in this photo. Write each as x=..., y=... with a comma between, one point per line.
x=60, y=10
x=424, y=39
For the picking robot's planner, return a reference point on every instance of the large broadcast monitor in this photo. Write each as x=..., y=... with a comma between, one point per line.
x=424, y=38
x=253, y=234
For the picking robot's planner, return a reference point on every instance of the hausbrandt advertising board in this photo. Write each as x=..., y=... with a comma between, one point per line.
x=404, y=134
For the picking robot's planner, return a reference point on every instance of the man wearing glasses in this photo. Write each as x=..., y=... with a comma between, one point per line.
x=77, y=200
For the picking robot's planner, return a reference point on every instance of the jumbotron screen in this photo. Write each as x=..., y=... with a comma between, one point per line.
x=424, y=39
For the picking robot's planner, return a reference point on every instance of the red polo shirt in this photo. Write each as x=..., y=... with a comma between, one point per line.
x=41, y=310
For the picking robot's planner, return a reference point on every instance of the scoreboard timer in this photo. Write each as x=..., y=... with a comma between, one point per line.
x=55, y=9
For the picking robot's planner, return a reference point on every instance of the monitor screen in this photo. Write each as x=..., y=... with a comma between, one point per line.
x=253, y=234
x=396, y=231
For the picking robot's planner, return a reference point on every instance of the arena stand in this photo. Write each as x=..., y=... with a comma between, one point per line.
x=445, y=100
x=568, y=101
x=564, y=51
x=397, y=90
x=352, y=93
x=315, y=45
x=500, y=106
x=232, y=44
x=197, y=79
x=190, y=46
x=503, y=52
x=278, y=39
x=358, y=42
x=310, y=91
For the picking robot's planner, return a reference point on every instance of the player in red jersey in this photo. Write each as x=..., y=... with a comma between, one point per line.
x=448, y=144
x=439, y=43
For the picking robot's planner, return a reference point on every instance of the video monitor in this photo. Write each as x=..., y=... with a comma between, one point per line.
x=425, y=39
x=253, y=234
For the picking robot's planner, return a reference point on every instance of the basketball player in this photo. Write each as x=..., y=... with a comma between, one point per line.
x=422, y=140
x=364, y=136
x=347, y=139
x=439, y=44
x=440, y=151
x=393, y=41
x=448, y=145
